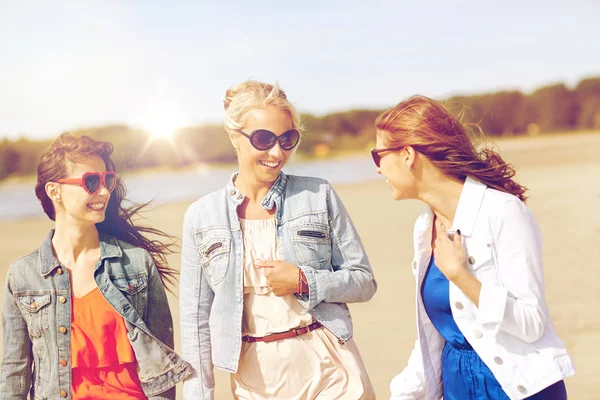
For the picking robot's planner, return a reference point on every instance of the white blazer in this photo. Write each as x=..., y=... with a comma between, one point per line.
x=511, y=330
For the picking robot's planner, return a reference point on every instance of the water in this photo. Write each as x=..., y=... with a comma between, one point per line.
x=18, y=200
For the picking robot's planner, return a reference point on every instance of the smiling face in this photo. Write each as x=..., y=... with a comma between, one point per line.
x=76, y=205
x=263, y=166
x=395, y=166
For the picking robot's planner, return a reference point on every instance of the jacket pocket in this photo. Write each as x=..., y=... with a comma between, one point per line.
x=34, y=307
x=481, y=261
x=312, y=244
x=214, y=248
x=131, y=285
x=135, y=290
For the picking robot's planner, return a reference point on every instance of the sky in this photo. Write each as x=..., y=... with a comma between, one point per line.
x=164, y=64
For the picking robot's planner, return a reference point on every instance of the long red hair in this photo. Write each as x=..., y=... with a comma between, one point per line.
x=433, y=131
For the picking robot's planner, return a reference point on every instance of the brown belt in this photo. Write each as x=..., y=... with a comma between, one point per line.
x=302, y=330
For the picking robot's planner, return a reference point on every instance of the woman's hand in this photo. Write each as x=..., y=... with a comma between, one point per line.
x=450, y=254
x=282, y=277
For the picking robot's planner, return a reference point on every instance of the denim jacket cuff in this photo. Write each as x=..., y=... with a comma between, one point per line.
x=309, y=301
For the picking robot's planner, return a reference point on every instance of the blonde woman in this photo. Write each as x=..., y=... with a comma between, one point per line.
x=269, y=262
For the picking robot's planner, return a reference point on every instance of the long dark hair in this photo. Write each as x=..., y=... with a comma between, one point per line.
x=118, y=220
x=433, y=131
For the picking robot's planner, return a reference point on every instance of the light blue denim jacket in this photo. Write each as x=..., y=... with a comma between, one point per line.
x=36, y=322
x=314, y=232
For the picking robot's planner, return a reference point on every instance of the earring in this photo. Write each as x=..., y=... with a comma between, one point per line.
x=405, y=166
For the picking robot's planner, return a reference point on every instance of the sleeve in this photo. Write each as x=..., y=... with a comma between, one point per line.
x=516, y=305
x=409, y=384
x=351, y=278
x=15, y=373
x=195, y=301
x=159, y=320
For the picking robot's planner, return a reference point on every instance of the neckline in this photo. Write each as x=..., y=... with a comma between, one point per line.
x=87, y=294
x=266, y=223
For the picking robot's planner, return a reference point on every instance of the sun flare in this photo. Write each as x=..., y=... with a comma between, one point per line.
x=163, y=127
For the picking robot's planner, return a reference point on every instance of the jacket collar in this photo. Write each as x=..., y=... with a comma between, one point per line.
x=467, y=210
x=109, y=248
x=469, y=204
x=272, y=197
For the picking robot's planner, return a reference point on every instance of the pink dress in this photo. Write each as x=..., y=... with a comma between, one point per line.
x=310, y=366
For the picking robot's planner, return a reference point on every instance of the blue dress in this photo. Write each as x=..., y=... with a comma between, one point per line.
x=464, y=375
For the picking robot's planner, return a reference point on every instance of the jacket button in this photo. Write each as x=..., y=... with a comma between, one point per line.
x=62, y=330
x=521, y=389
x=63, y=363
x=239, y=196
x=478, y=334
x=489, y=245
x=459, y=305
x=63, y=394
x=471, y=260
x=62, y=299
x=131, y=287
x=498, y=360
x=59, y=271
x=33, y=305
x=232, y=193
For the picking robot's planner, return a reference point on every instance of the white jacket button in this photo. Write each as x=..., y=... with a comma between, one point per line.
x=498, y=360
x=478, y=334
x=521, y=389
x=459, y=305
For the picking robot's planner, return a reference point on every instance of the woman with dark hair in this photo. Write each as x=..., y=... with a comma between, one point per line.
x=86, y=315
x=484, y=330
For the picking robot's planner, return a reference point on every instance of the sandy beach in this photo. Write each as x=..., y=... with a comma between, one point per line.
x=562, y=173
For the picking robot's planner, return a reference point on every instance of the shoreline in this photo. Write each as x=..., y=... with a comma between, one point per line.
x=508, y=141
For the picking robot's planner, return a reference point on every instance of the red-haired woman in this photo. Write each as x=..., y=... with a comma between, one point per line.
x=484, y=330
x=86, y=316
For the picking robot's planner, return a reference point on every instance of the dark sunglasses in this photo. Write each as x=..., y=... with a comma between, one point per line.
x=91, y=181
x=377, y=157
x=262, y=139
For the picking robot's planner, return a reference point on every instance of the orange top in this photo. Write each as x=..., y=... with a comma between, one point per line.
x=102, y=359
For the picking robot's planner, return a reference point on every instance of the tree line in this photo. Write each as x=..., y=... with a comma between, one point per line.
x=548, y=109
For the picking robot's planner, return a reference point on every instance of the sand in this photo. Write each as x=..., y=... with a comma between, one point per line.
x=562, y=173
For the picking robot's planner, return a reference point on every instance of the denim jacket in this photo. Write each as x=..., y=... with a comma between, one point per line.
x=36, y=322
x=314, y=232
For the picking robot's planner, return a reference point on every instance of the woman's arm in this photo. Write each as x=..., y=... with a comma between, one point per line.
x=158, y=317
x=351, y=279
x=409, y=384
x=15, y=372
x=516, y=305
x=195, y=300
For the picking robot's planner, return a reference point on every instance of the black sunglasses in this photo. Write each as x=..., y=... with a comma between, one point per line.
x=377, y=157
x=262, y=139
